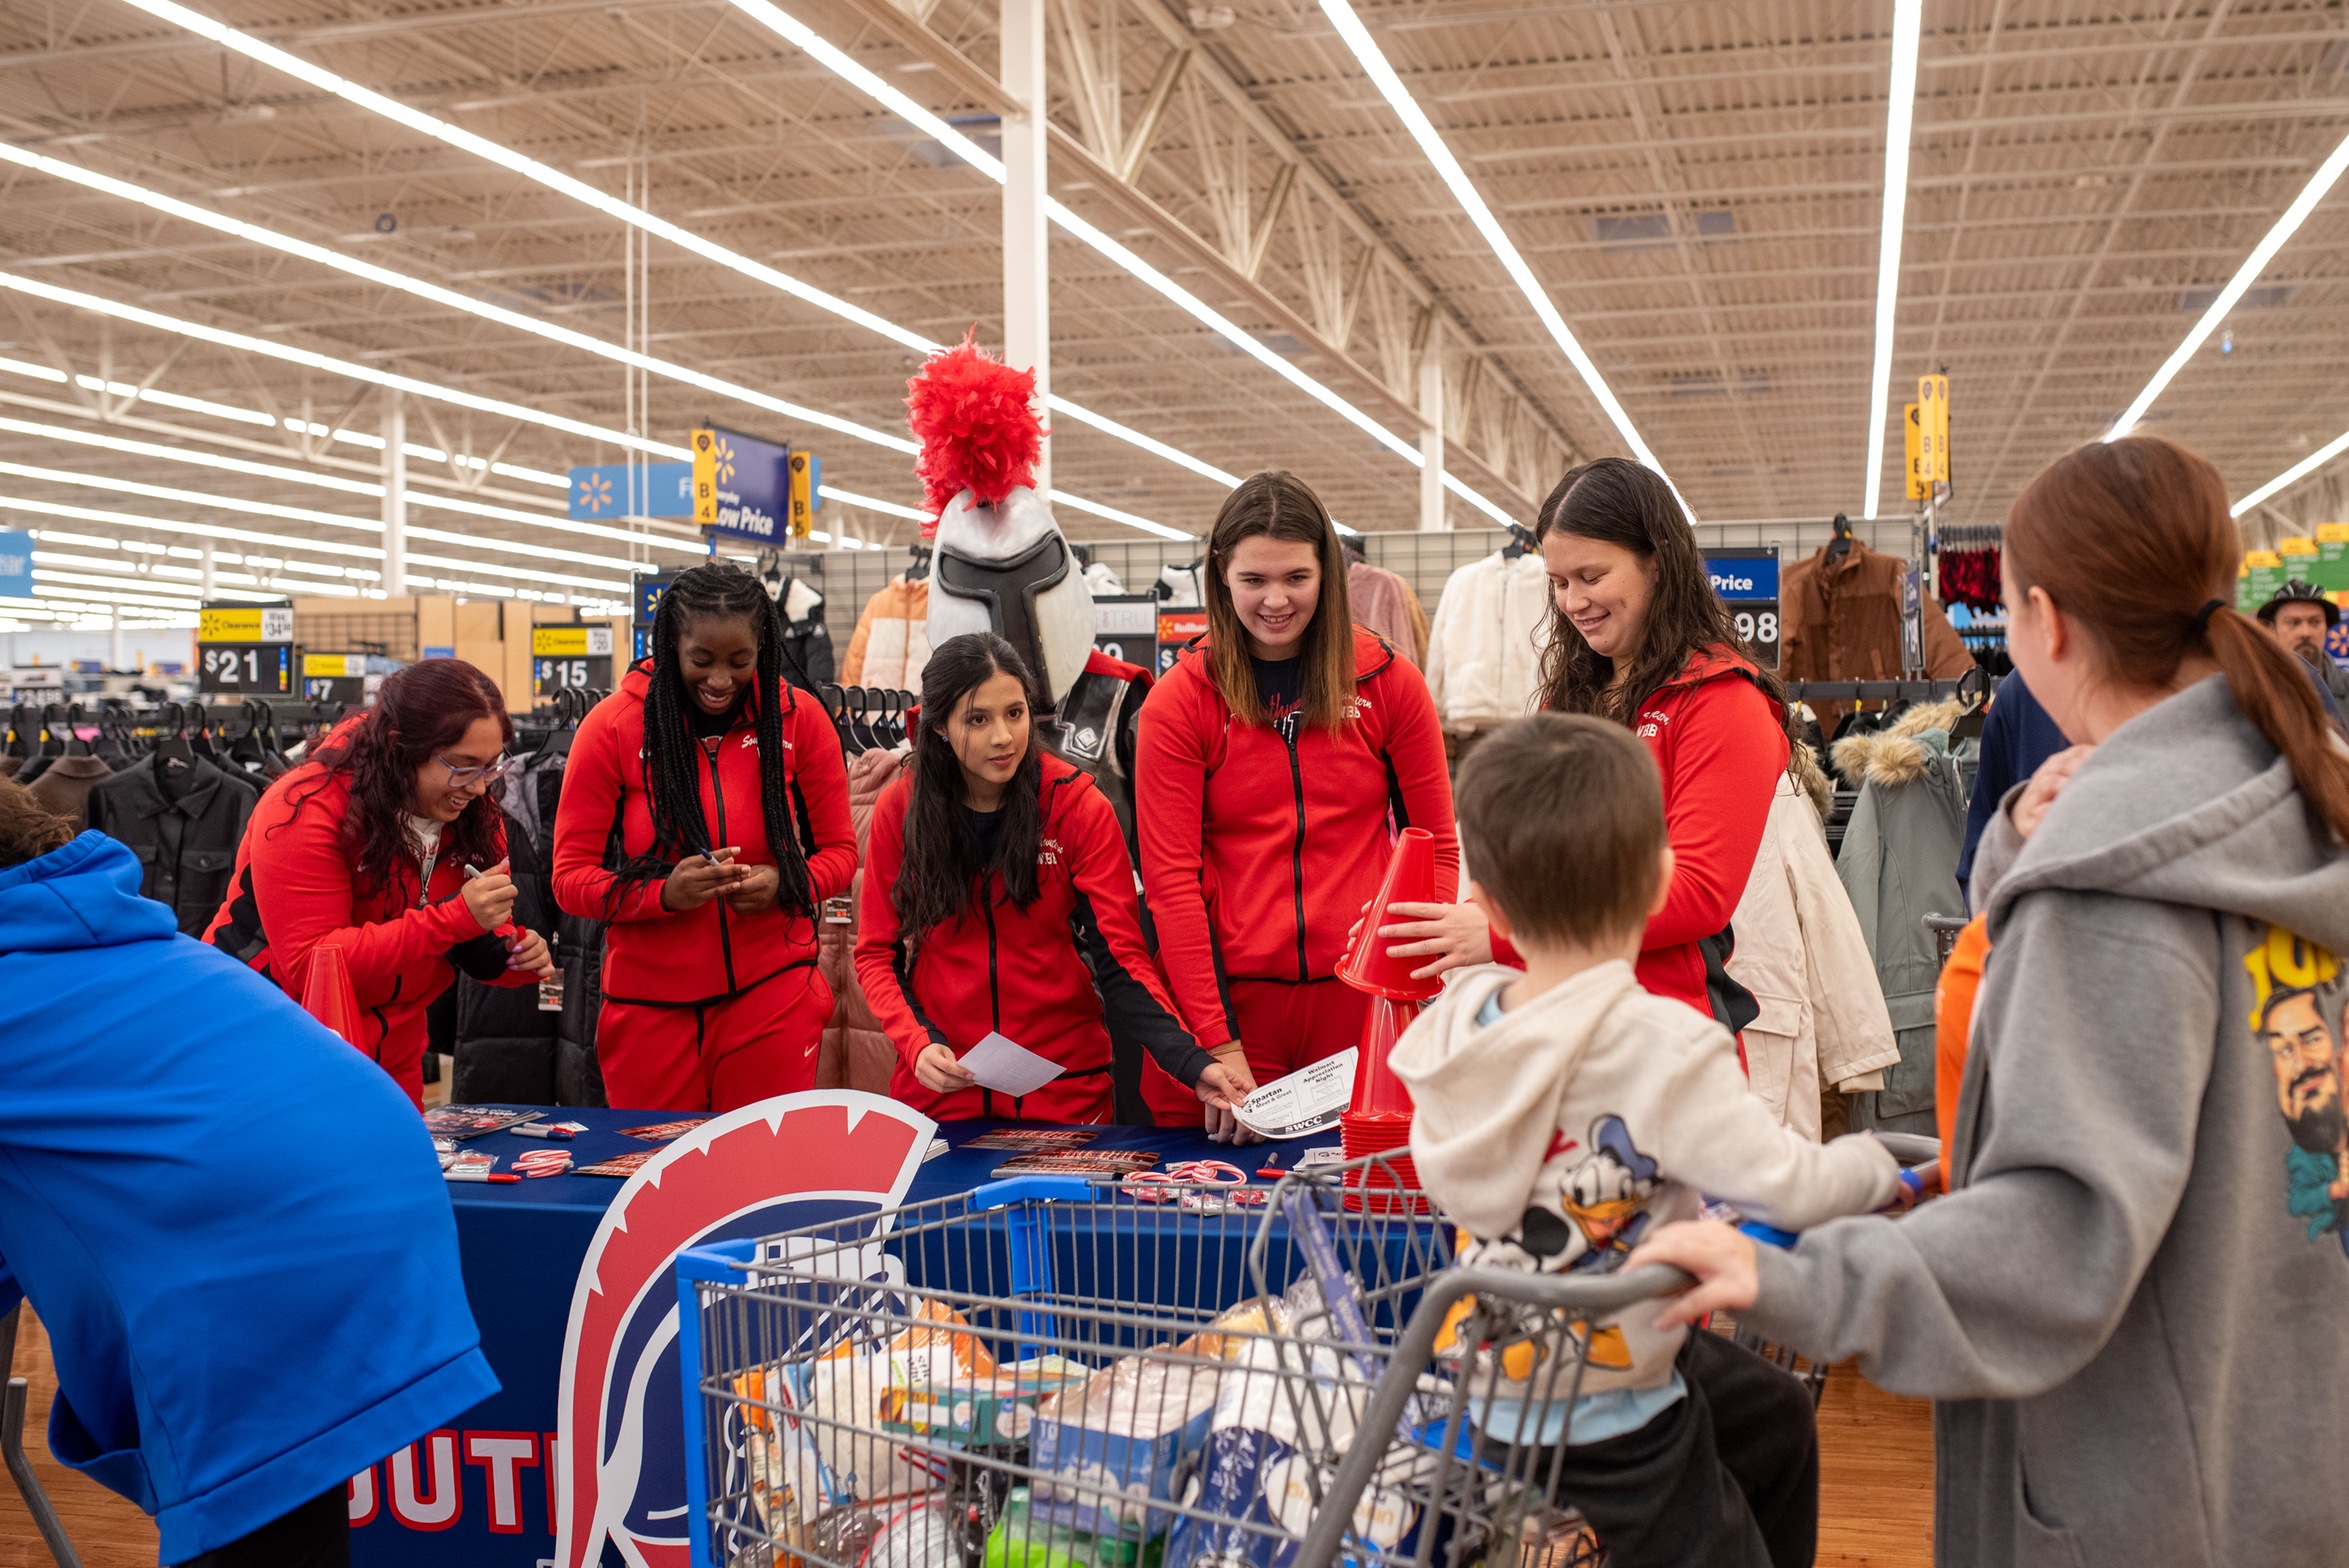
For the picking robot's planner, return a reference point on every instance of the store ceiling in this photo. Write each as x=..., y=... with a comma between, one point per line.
x=1698, y=187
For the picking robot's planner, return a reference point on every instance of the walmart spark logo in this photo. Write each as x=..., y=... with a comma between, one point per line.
x=595, y=493
x=725, y=461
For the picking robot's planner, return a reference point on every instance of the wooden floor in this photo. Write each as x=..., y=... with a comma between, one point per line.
x=1876, y=1482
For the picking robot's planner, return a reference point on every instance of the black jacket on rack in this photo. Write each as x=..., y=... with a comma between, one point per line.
x=183, y=818
x=505, y=1046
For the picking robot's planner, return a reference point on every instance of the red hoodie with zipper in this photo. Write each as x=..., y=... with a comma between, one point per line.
x=1258, y=852
x=697, y=958
x=293, y=891
x=1057, y=977
x=1720, y=744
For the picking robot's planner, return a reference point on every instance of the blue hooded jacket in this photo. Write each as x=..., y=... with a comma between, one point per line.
x=231, y=1223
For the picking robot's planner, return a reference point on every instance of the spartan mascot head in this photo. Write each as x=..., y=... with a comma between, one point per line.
x=1001, y=564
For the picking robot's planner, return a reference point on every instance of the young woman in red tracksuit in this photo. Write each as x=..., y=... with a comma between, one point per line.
x=705, y=815
x=998, y=898
x=1277, y=760
x=1637, y=635
x=388, y=844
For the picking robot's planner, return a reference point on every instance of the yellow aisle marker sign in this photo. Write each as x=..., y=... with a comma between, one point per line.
x=1912, y=435
x=705, y=476
x=803, y=497
x=1933, y=417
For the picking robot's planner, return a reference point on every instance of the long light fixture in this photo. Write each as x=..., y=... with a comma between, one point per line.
x=337, y=520
x=2319, y=184
x=612, y=206
x=841, y=64
x=1390, y=86
x=2293, y=475
x=1908, y=22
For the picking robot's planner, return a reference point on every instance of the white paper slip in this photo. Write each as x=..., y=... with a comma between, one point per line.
x=1305, y=1102
x=1008, y=1067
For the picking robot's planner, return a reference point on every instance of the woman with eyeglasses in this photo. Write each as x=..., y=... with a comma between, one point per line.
x=388, y=844
x=705, y=816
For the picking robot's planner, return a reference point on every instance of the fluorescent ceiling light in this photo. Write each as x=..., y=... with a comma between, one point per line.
x=1423, y=131
x=1908, y=21
x=194, y=405
x=2293, y=475
x=1079, y=503
x=2319, y=184
x=612, y=206
x=870, y=504
x=837, y=60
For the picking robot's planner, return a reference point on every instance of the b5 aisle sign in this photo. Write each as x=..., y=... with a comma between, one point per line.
x=1747, y=581
x=570, y=658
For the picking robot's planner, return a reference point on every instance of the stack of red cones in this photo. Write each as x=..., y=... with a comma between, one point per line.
x=1379, y=1119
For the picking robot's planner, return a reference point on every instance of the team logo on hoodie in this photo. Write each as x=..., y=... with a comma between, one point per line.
x=799, y=1159
x=2301, y=1015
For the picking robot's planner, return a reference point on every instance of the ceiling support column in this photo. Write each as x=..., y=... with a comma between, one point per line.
x=395, y=493
x=1027, y=306
x=1431, y=435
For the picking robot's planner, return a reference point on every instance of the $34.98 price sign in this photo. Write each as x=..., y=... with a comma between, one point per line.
x=246, y=652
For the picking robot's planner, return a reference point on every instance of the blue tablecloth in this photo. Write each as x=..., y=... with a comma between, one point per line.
x=522, y=1246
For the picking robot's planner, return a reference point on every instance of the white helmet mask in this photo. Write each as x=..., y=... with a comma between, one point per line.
x=1006, y=569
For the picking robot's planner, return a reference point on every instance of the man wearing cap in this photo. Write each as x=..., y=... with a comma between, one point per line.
x=2300, y=615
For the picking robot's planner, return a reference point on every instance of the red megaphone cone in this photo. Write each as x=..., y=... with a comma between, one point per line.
x=1410, y=879
x=328, y=997
x=1377, y=1091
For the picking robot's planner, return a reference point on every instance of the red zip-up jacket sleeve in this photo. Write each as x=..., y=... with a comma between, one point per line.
x=595, y=778
x=1726, y=758
x=819, y=789
x=1170, y=780
x=881, y=956
x=1415, y=751
x=1108, y=932
x=302, y=886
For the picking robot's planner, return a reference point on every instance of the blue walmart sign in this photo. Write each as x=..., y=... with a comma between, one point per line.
x=601, y=491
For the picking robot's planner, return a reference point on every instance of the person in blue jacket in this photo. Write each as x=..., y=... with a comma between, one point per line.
x=2017, y=736
x=231, y=1223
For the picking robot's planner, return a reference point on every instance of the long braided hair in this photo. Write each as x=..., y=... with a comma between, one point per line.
x=672, y=771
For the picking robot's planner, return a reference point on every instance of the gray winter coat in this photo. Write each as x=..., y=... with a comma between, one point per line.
x=2134, y=1309
x=1899, y=864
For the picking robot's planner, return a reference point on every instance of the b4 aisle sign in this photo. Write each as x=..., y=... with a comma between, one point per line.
x=554, y=1472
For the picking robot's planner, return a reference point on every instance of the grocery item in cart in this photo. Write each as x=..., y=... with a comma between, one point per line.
x=976, y=1412
x=787, y=1481
x=850, y=1394
x=1284, y=1412
x=1114, y=1442
x=916, y=1535
x=1023, y=1538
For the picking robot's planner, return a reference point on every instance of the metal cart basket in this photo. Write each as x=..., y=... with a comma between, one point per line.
x=1053, y=1373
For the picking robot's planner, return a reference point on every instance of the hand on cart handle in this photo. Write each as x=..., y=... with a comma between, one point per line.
x=490, y=896
x=937, y=1070
x=1721, y=1258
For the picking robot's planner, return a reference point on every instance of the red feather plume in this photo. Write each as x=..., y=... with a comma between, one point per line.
x=976, y=419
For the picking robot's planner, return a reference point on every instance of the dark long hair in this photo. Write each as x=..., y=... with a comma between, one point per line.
x=1617, y=501
x=942, y=872
x=672, y=770
x=1276, y=504
x=2134, y=539
x=421, y=711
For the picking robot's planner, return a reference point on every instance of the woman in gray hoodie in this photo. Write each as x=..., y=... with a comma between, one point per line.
x=2133, y=1308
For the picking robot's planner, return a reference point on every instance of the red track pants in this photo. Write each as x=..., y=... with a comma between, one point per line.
x=1284, y=1026
x=719, y=1056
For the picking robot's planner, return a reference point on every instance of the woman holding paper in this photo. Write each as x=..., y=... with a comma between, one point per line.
x=998, y=912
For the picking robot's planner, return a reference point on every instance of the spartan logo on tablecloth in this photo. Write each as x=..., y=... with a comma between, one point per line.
x=798, y=1159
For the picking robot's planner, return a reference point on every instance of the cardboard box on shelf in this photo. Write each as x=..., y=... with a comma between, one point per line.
x=436, y=621
x=480, y=620
x=553, y=615
x=488, y=657
x=514, y=678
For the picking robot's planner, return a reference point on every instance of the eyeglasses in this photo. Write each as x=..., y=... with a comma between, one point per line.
x=466, y=778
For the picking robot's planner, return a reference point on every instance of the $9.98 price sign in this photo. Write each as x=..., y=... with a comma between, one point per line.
x=1747, y=581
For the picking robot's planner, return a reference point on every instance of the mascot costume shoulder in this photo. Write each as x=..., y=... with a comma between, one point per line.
x=1002, y=566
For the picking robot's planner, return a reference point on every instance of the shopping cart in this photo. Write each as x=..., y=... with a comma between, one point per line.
x=1052, y=1372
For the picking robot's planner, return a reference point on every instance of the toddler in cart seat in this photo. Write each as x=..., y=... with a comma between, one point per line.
x=1563, y=1112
